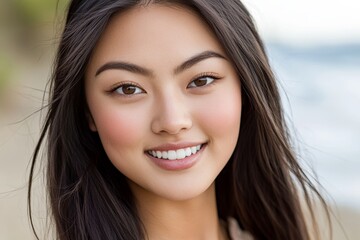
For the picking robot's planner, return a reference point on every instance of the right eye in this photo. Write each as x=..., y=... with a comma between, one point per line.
x=201, y=81
x=128, y=89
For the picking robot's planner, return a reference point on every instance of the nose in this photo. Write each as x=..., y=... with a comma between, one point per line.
x=171, y=115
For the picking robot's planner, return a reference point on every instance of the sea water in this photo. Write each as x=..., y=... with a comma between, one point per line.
x=320, y=87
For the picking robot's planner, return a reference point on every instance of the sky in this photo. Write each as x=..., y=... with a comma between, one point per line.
x=306, y=22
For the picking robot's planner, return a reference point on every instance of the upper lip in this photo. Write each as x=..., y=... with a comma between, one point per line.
x=174, y=146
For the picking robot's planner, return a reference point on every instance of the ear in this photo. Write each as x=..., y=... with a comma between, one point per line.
x=91, y=122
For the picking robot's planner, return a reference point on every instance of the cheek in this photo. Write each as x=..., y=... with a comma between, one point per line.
x=220, y=114
x=119, y=129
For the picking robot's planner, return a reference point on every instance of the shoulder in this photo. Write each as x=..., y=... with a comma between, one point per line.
x=235, y=231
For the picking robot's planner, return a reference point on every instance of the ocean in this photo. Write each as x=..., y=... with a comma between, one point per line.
x=320, y=87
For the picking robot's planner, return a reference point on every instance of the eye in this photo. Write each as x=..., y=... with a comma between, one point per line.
x=128, y=89
x=202, y=81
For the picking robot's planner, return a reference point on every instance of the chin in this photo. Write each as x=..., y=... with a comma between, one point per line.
x=185, y=192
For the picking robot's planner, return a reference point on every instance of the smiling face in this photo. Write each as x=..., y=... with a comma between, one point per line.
x=165, y=100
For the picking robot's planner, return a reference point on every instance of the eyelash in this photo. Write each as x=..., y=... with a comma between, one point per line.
x=205, y=75
x=132, y=84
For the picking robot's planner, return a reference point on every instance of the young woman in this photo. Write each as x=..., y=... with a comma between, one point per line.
x=165, y=122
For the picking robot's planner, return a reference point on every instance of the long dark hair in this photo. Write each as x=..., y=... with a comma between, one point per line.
x=262, y=186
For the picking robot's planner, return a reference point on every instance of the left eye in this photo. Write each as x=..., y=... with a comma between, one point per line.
x=128, y=89
x=201, y=81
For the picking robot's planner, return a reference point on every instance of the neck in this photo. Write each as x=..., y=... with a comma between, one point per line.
x=193, y=219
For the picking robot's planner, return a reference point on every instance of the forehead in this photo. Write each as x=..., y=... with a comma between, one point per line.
x=144, y=34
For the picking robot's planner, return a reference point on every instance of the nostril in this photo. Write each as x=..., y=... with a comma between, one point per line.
x=171, y=114
x=171, y=125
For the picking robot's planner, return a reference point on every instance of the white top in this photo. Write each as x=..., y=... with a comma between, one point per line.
x=235, y=231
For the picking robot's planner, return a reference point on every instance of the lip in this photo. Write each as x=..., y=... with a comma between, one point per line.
x=179, y=164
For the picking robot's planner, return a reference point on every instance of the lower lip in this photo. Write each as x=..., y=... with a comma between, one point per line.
x=179, y=164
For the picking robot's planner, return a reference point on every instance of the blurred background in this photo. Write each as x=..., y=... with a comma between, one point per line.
x=313, y=46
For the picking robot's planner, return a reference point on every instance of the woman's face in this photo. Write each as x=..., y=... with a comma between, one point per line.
x=165, y=100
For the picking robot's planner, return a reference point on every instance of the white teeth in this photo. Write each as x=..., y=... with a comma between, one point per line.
x=188, y=152
x=175, y=154
x=180, y=154
x=193, y=150
x=171, y=155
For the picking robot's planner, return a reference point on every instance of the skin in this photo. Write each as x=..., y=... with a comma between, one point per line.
x=166, y=106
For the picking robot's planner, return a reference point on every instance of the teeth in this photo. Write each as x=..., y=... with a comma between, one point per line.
x=175, y=154
x=188, y=152
x=171, y=155
x=180, y=154
x=193, y=150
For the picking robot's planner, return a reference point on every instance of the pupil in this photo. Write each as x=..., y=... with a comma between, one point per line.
x=200, y=82
x=128, y=89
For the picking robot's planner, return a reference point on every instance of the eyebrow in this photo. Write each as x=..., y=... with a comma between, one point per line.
x=196, y=59
x=120, y=65
x=124, y=66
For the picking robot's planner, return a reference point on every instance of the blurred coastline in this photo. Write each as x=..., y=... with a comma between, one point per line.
x=321, y=95
x=321, y=82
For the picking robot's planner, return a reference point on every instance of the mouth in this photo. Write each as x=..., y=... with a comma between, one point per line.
x=176, y=154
